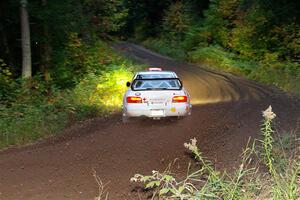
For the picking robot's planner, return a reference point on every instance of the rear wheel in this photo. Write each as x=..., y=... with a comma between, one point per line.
x=125, y=119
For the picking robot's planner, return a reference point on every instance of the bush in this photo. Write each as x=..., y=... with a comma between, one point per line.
x=282, y=77
x=196, y=37
x=91, y=83
x=6, y=82
x=80, y=58
x=171, y=49
x=104, y=92
x=216, y=57
x=285, y=75
x=31, y=117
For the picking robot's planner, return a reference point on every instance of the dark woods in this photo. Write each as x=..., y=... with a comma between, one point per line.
x=256, y=28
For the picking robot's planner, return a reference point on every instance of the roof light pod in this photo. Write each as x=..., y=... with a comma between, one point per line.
x=155, y=69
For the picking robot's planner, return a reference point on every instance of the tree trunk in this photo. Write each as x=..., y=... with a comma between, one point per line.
x=26, y=49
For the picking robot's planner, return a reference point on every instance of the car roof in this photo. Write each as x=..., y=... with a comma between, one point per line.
x=171, y=73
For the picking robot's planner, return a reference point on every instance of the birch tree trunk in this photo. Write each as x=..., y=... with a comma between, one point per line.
x=26, y=49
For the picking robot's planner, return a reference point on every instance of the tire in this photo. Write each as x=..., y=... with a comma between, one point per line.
x=125, y=119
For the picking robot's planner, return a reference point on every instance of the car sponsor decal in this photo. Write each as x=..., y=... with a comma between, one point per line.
x=173, y=109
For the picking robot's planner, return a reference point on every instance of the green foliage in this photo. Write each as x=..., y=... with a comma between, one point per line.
x=6, y=81
x=284, y=75
x=81, y=58
x=219, y=19
x=216, y=56
x=176, y=21
x=257, y=39
x=53, y=25
x=245, y=182
x=31, y=114
x=35, y=108
x=196, y=37
x=105, y=91
x=251, y=29
x=165, y=47
x=108, y=15
x=86, y=77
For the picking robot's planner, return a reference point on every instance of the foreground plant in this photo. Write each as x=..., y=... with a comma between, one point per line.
x=284, y=181
x=244, y=183
x=102, y=188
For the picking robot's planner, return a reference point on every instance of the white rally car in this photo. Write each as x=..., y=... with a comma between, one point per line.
x=155, y=94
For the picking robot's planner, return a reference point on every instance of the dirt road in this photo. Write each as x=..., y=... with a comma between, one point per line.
x=226, y=112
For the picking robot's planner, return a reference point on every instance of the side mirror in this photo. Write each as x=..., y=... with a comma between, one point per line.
x=128, y=84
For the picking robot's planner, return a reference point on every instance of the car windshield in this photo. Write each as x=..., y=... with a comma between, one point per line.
x=156, y=84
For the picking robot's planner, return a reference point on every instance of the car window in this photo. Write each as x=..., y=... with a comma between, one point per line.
x=153, y=76
x=152, y=84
